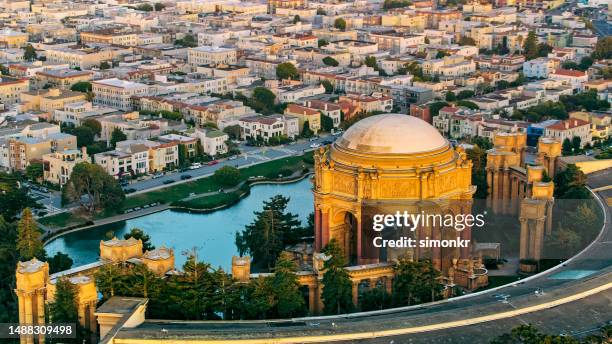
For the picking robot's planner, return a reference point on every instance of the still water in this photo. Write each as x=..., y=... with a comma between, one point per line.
x=211, y=234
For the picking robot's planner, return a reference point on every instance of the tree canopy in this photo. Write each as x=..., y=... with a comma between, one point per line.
x=287, y=70
x=340, y=24
x=337, y=286
x=92, y=188
x=227, y=176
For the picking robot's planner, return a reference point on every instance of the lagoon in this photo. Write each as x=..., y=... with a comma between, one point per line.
x=212, y=234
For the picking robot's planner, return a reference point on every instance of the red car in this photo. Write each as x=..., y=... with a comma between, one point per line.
x=214, y=162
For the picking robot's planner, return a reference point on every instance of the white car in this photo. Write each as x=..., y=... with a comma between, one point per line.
x=315, y=145
x=195, y=166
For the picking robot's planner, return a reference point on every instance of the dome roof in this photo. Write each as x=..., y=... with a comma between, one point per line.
x=392, y=134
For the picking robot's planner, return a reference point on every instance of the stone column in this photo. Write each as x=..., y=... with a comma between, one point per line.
x=490, y=186
x=373, y=283
x=318, y=231
x=551, y=166
x=389, y=284
x=496, y=192
x=40, y=312
x=312, y=299
x=466, y=233
x=93, y=324
x=524, y=248
x=436, y=252
x=514, y=196
x=355, y=291
x=521, y=191
x=359, y=247
x=506, y=192
x=325, y=227
x=28, y=316
x=538, y=240
x=319, y=297
x=21, y=301
x=549, y=209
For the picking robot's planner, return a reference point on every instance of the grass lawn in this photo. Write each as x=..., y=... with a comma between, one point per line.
x=62, y=220
x=175, y=193
x=210, y=202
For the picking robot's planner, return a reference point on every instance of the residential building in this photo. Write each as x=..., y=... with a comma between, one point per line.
x=58, y=166
x=305, y=114
x=214, y=142
x=570, y=128
x=576, y=78
x=49, y=100
x=209, y=55
x=541, y=67
x=11, y=89
x=117, y=93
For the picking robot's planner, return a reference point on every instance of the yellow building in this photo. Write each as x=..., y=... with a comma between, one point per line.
x=63, y=78
x=49, y=100
x=11, y=89
x=305, y=114
x=601, y=123
x=13, y=39
x=384, y=164
x=57, y=166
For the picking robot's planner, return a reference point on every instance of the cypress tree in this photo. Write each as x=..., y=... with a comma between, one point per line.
x=29, y=244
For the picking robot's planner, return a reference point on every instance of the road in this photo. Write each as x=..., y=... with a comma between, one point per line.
x=575, y=301
x=51, y=201
x=602, y=28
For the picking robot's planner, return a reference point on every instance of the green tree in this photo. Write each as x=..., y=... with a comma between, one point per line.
x=370, y=61
x=465, y=94
x=105, y=65
x=287, y=70
x=14, y=197
x=63, y=309
x=29, y=53
x=34, y=171
x=110, y=281
x=60, y=262
x=99, y=188
x=82, y=86
x=263, y=98
x=322, y=42
x=145, y=7
x=374, y=300
x=289, y=300
x=576, y=143
x=464, y=40
x=468, y=104
x=567, y=147
x=306, y=131
x=296, y=19
x=415, y=282
x=273, y=229
x=389, y=4
x=188, y=41
x=137, y=234
x=330, y=61
x=233, y=131
x=84, y=134
x=227, y=176
x=435, y=107
x=340, y=24
x=159, y=6
x=478, y=156
x=117, y=136
x=450, y=96
x=329, y=88
x=337, y=286
x=327, y=123
x=321, y=12
x=571, y=184
x=603, y=48
x=530, y=46
x=95, y=126
x=29, y=243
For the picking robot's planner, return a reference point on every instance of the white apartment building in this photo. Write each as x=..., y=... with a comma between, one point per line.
x=450, y=66
x=570, y=128
x=133, y=160
x=209, y=55
x=265, y=127
x=292, y=94
x=213, y=141
x=117, y=93
x=575, y=78
x=540, y=67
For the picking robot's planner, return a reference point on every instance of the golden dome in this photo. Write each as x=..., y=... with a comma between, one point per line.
x=392, y=141
x=392, y=134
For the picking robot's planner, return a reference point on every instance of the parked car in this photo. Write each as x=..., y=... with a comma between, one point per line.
x=315, y=145
x=157, y=175
x=129, y=190
x=314, y=138
x=185, y=176
x=327, y=142
x=195, y=166
x=233, y=157
x=211, y=163
x=169, y=181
